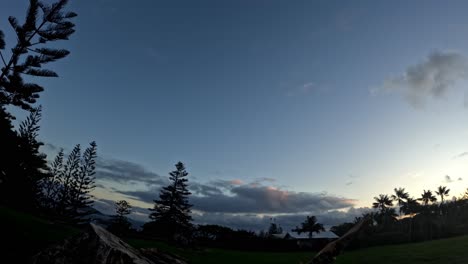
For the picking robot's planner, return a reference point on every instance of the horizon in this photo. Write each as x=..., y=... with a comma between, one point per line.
x=310, y=108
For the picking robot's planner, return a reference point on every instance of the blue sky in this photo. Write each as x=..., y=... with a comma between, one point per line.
x=347, y=98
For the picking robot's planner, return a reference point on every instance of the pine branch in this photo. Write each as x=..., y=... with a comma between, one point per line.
x=52, y=27
x=3, y=59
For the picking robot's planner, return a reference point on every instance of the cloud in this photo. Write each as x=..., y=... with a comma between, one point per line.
x=124, y=172
x=448, y=179
x=460, y=179
x=287, y=222
x=234, y=203
x=304, y=89
x=236, y=182
x=461, y=155
x=250, y=198
x=431, y=78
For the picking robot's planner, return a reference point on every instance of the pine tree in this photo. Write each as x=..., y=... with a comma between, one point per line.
x=8, y=150
x=27, y=166
x=73, y=183
x=65, y=181
x=22, y=166
x=120, y=224
x=171, y=213
x=83, y=183
x=33, y=162
x=43, y=24
x=50, y=185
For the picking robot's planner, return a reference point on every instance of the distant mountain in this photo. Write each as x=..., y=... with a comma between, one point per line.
x=99, y=218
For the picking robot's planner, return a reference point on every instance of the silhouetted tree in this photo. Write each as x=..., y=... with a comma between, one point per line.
x=427, y=197
x=22, y=165
x=464, y=195
x=9, y=150
x=274, y=228
x=382, y=202
x=411, y=206
x=65, y=181
x=341, y=229
x=213, y=232
x=171, y=213
x=120, y=224
x=51, y=185
x=74, y=182
x=20, y=184
x=400, y=196
x=310, y=226
x=442, y=191
x=43, y=24
x=83, y=183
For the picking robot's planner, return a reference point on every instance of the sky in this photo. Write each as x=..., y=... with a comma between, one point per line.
x=278, y=109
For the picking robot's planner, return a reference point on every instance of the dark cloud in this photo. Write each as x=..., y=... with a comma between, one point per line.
x=104, y=206
x=431, y=78
x=287, y=222
x=253, y=199
x=124, y=172
x=204, y=189
x=448, y=179
x=51, y=147
x=461, y=155
x=249, y=221
x=234, y=203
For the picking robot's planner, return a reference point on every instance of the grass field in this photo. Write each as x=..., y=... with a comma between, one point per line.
x=453, y=251
x=23, y=234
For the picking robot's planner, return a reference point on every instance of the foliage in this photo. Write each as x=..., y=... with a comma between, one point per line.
x=400, y=196
x=274, y=229
x=341, y=229
x=427, y=197
x=25, y=166
x=120, y=224
x=382, y=202
x=309, y=226
x=43, y=24
x=67, y=190
x=442, y=191
x=411, y=206
x=171, y=213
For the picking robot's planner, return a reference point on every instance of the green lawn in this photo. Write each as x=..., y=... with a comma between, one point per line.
x=209, y=256
x=23, y=234
x=453, y=250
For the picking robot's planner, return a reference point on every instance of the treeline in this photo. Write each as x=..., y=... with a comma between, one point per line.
x=400, y=218
x=60, y=190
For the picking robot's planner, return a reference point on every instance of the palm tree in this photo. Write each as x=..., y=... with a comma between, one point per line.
x=442, y=191
x=427, y=197
x=309, y=226
x=410, y=206
x=383, y=202
x=400, y=196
